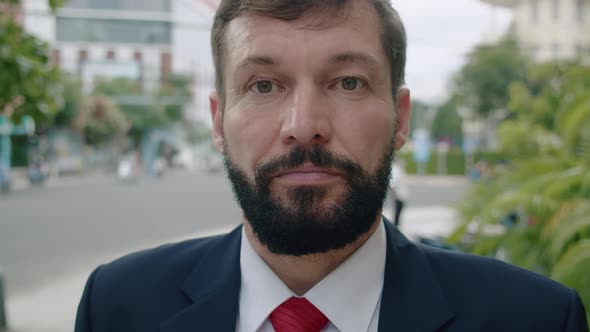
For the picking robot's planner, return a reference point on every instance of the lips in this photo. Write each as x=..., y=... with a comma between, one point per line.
x=309, y=170
x=308, y=175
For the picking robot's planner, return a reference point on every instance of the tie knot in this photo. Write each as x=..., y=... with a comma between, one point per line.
x=297, y=314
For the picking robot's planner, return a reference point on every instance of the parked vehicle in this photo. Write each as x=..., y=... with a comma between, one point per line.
x=36, y=174
x=127, y=169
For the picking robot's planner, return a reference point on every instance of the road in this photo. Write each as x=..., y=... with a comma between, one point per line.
x=49, y=234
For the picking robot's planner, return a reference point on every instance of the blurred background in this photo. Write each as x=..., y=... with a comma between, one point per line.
x=105, y=141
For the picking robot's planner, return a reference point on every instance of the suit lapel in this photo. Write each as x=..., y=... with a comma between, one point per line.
x=412, y=299
x=214, y=287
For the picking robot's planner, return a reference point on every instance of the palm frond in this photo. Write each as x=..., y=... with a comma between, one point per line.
x=553, y=224
x=573, y=269
x=566, y=183
x=575, y=122
x=574, y=226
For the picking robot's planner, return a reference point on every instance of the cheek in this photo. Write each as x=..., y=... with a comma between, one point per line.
x=249, y=138
x=368, y=135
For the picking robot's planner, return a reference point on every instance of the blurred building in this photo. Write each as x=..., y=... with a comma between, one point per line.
x=131, y=38
x=551, y=29
x=145, y=40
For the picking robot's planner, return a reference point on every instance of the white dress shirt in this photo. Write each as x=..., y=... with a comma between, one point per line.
x=350, y=296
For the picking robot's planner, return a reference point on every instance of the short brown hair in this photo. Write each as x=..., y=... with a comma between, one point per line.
x=393, y=32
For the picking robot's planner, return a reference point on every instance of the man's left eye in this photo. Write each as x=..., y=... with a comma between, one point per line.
x=351, y=83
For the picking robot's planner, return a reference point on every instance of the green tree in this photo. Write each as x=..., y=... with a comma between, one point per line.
x=72, y=103
x=447, y=122
x=29, y=84
x=546, y=188
x=100, y=121
x=147, y=111
x=53, y=4
x=482, y=83
x=176, y=92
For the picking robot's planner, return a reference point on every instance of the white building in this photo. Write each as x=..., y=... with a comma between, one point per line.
x=136, y=38
x=551, y=29
x=145, y=40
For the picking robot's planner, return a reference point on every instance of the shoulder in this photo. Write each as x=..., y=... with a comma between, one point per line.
x=142, y=289
x=490, y=288
x=470, y=270
x=167, y=255
x=154, y=269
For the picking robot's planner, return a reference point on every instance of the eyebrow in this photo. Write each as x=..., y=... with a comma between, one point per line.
x=259, y=60
x=355, y=57
x=348, y=57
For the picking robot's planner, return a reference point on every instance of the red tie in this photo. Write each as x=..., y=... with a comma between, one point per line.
x=297, y=314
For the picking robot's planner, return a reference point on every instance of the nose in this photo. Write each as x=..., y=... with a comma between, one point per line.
x=308, y=120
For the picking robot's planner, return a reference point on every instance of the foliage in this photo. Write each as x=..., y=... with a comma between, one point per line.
x=447, y=123
x=72, y=102
x=147, y=111
x=455, y=161
x=548, y=88
x=546, y=187
x=29, y=84
x=175, y=88
x=482, y=84
x=53, y=4
x=100, y=121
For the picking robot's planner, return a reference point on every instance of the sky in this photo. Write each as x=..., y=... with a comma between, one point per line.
x=440, y=34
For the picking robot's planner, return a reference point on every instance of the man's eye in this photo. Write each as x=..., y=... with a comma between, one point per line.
x=351, y=83
x=262, y=87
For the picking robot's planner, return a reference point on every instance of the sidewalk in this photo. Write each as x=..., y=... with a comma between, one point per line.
x=53, y=308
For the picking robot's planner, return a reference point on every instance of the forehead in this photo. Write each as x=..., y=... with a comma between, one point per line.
x=357, y=29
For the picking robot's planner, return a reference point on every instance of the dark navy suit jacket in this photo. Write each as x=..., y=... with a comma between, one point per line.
x=194, y=286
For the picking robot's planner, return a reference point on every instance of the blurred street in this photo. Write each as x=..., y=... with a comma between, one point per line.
x=53, y=237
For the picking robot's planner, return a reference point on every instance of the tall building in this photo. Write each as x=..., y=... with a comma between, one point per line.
x=551, y=29
x=92, y=38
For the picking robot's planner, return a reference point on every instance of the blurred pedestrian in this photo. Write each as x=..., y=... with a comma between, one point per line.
x=398, y=185
x=5, y=184
x=310, y=105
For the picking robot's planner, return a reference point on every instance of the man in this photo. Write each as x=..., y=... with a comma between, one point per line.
x=399, y=189
x=310, y=105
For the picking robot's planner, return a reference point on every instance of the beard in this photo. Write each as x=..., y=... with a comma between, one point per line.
x=304, y=222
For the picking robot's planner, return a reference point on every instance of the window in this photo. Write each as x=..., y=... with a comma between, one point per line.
x=140, y=5
x=555, y=10
x=113, y=31
x=535, y=11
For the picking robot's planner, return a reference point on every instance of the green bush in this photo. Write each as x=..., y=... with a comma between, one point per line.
x=546, y=185
x=455, y=160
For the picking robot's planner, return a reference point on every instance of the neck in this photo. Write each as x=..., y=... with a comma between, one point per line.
x=301, y=273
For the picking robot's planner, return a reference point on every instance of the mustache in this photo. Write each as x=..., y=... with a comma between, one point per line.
x=318, y=155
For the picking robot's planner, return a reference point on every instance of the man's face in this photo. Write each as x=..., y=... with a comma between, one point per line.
x=309, y=127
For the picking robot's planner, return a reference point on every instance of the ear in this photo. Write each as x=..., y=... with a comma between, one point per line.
x=217, y=120
x=404, y=106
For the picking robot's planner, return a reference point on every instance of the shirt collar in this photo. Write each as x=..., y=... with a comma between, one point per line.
x=348, y=296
